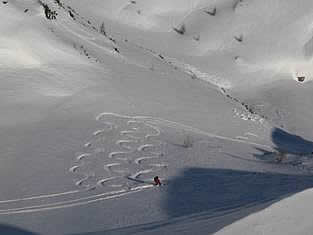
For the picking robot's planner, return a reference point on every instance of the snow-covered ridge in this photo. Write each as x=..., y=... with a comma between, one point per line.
x=278, y=32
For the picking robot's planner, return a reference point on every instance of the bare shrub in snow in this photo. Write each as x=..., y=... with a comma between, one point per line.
x=50, y=14
x=193, y=76
x=71, y=14
x=59, y=3
x=188, y=141
x=181, y=30
x=236, y=3
x=211, y=12
x=196, y=37
x=239, y=38
x=102, y=29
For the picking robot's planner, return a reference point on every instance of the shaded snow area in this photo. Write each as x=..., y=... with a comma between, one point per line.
x=98, y=97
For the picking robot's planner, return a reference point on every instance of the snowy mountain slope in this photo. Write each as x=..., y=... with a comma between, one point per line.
x=27, y=39
x=98, y=97
x=278, y=218
x=245, y=45
x=277, y=32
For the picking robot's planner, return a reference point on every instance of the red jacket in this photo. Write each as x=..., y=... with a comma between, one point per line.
x=157, y=180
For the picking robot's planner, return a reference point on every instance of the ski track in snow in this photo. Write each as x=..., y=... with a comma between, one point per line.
x=252, y=134
x=129, y=143
x=87, y=39
x=132, y=149
x=74, y=202
x=121, y=158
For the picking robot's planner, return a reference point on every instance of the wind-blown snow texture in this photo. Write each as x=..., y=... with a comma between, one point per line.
x=99, y=96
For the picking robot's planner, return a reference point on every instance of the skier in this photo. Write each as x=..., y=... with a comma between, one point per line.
x=157, y=181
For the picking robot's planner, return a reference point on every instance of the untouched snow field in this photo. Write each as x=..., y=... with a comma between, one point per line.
x=99, y=96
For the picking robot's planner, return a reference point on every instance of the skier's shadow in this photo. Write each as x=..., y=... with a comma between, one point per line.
x=139, y=180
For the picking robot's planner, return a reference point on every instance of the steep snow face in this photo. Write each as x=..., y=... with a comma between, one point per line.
x=38, y=62
x=254, y=36
x=27, y=39
x=243, y=47
x=147, y=15
x=14, y=51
